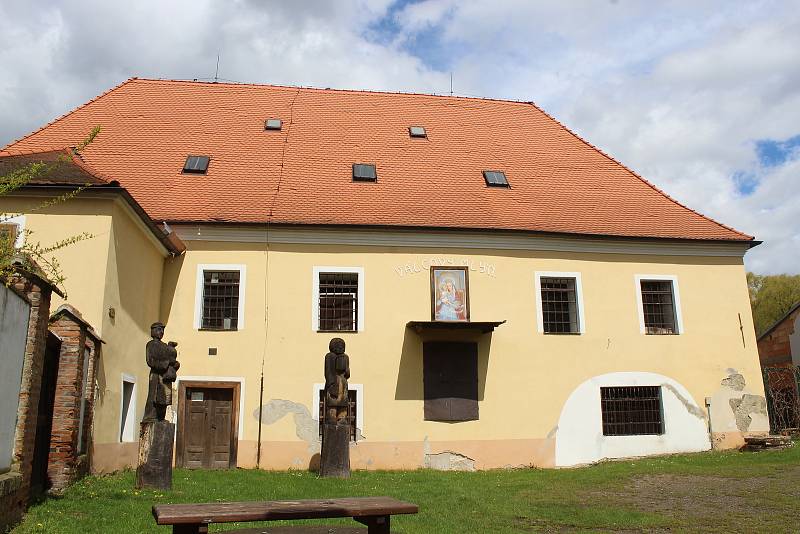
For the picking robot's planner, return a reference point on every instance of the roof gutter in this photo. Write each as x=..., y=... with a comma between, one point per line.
x=171, y=242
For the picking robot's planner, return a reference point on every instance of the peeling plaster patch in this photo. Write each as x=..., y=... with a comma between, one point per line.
x=734, y=381
x=553, y=432
x=449, y=461
x=744, y=407
x=690, y=406
x=306, y=427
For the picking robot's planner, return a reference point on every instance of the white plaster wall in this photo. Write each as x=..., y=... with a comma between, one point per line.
x=580, y=439
x=794, y=341
x=14, y=314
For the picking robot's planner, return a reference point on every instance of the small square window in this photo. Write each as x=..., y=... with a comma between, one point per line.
x=559, y=305
x=8, y=234
x=658, y=307
x=495, y=178
x=632, y=410
x=196, y=164
x=220, y=300
x=417, y=131
x=364, y=172
x=272, y=124
x=338, y=302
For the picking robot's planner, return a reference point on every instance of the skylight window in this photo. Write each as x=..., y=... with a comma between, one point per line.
x=364, y=172
x=196, y=164
x=272, y=124
x=417, y=131
x=495, y=178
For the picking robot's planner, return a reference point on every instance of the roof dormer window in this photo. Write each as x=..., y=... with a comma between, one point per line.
x=417, y=131
x=196, y=164
x=495, y=179
x=272, y=124
x=364, y=172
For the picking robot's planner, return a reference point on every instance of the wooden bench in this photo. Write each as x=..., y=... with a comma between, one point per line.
x=375, y=512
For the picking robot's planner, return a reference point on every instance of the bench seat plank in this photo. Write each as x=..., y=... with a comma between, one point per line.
x=178, y=514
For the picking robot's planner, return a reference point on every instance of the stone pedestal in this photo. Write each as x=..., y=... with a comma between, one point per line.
x=335, y=457
x=155, y=455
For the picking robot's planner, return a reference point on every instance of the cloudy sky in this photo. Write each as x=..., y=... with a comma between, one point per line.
x=701, y=98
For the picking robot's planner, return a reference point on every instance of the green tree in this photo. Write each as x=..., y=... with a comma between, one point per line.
x=771, y=297
x=31, y=254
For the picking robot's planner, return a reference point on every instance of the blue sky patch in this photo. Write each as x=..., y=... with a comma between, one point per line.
x=773, y=153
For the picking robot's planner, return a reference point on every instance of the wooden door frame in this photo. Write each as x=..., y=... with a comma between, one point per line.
x=207, y=384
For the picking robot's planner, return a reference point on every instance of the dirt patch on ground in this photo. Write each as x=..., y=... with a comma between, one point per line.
x=765, y=503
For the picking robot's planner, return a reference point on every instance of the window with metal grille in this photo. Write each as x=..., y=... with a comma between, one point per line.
x=351, y=412
x=631, y=410
x=220, y=300
x=658, y=307
x=338, y=302
x=559, y=305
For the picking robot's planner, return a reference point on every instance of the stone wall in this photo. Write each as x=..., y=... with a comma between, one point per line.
x=15, y=485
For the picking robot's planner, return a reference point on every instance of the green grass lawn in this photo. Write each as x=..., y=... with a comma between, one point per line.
x=709, y=492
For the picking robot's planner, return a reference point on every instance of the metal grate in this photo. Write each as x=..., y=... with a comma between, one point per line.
x=220, y=300
x=559, y=306
x=631, y=410
x=658, y=307
x=338, y=302
x=351, y=412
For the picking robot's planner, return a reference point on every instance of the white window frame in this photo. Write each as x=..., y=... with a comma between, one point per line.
x=198, y=292
x=19, y=220
x=123, y=429
x=676, y=299
x=578, y=298
x=315, y=294
x=358, y=388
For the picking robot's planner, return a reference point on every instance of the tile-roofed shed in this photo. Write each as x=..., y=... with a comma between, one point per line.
x=302, y=174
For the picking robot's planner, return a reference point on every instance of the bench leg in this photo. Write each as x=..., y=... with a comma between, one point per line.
x=375, y=524
x=191, y=529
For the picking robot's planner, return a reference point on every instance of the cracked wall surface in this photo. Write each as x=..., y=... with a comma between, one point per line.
x=736, y=411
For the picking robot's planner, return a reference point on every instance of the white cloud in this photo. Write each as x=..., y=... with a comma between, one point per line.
x=679, y=91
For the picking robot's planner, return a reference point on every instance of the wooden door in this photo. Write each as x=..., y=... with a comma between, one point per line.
x=450, y=380
x=208, y=429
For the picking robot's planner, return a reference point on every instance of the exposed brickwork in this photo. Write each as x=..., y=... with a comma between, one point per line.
x=774, y=348
x=69, y=458
x=15, y=485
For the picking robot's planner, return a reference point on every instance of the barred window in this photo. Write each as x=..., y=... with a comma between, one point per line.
x=658, y=307
x=631, y=410
x=352, y=409
x=220, y=300
x=338, y=302
x=559, y=305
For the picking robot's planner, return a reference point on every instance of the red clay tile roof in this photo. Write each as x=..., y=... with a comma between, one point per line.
x=302, y=173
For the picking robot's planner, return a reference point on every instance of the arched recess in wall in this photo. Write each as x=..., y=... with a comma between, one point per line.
x=580, y=439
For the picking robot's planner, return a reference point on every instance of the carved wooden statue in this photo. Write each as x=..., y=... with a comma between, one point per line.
x=335, y=456
x=162, y=358
x=156, y=435
x=337, y=372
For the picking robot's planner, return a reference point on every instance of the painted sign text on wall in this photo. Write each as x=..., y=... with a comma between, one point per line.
x=423, y=266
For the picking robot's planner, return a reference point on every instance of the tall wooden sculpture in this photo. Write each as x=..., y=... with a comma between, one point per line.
x=157, y=435
x=335, y=456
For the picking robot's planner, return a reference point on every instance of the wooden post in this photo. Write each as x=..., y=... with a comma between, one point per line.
x=155, y=455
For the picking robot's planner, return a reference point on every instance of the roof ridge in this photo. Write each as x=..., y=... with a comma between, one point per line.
x=65, y=115
x=333, y=90
x=632, y=172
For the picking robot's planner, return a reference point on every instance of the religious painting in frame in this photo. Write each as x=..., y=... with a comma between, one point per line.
x=449, y=293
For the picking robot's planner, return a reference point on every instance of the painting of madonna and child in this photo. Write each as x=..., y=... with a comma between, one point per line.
x=449, y=294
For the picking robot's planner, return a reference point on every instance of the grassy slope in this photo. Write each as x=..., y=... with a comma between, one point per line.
x=707, y=491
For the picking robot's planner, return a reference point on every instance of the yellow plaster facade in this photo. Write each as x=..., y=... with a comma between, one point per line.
x=525, y=378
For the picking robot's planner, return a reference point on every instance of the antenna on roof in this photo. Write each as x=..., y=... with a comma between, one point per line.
x=451, y=84
x=216, y=72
